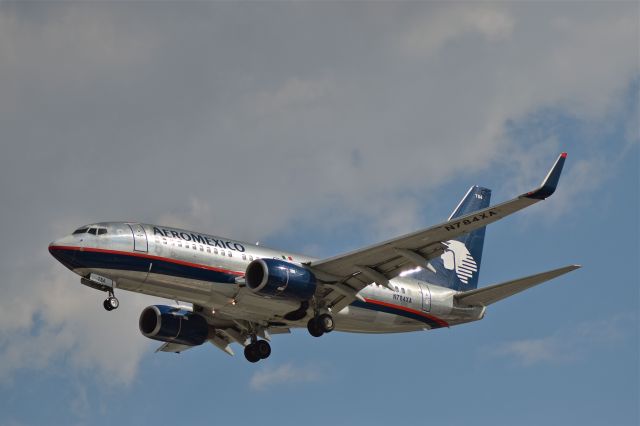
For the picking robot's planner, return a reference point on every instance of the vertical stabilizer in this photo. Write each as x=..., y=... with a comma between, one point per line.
x=459, y=266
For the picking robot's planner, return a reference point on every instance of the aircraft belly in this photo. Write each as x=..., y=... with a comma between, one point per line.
x=192, y=292
x=357, y=320
x=218, y=296
x=175, y=288
x=248, y=306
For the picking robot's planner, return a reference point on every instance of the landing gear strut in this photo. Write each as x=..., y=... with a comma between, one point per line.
x=257, y=350
x=321, y=324
x=111, y=302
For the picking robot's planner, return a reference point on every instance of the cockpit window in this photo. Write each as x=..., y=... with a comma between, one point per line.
x=93, y=230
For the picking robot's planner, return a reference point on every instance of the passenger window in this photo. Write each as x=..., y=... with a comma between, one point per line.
x=201, y=248
x=244, y=257
x=93, y=231
x=230, y=254
x=194, y=247
x=215, y=251
x=222, y=252
x=397, y=289
x=251, y=258
x=179, y=244
x=402, y=290
x=208, y=249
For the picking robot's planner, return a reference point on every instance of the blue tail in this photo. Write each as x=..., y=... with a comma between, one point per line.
x=459, y=266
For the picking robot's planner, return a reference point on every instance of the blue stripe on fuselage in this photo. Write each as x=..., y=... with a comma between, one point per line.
x=75, y=258
x=105, y=259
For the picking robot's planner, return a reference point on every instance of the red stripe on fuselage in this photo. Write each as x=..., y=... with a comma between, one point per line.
x=147, y=256
x=437, y=320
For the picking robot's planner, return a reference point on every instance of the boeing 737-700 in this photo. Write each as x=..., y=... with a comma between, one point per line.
x=235, y=292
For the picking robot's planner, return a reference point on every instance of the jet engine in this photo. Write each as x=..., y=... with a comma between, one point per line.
x=277, y=278
x=173, y=325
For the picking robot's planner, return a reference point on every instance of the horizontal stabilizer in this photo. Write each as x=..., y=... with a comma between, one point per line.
x=485, y=296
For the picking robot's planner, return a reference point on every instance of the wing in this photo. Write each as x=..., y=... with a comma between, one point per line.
x=218, y=341
x=223, y=336
x=342, y=277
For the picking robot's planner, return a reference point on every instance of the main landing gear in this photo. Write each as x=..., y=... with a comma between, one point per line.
x=257, y=350
x=320, y=324
x=111, y=302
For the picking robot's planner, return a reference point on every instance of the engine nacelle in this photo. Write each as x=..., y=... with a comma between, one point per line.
x=277, y=278
x=173, y=325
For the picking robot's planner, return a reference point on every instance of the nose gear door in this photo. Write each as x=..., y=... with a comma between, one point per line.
x=140, y=242
x=426, y=297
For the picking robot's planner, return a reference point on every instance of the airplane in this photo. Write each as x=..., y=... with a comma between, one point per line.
x=235, y=292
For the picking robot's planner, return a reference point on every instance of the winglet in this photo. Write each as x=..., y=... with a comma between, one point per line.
x=550, y=182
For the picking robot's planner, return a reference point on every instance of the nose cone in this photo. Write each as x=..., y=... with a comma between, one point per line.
x=64, y=254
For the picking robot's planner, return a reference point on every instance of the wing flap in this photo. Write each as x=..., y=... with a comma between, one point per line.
x=173, y=347
x=487, y=295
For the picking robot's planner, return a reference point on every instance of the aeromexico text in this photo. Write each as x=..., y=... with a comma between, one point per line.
x=197, y=238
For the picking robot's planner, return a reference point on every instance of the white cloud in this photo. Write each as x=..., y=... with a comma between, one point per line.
x=566, y=344
x=534, y=351
x=241, y=135
x=286, y=374
x=293, y=93
x=48, y=318
x=197, y=214
x=46, y=51
x=62, y=321
x=431, y=33
x=80, y=405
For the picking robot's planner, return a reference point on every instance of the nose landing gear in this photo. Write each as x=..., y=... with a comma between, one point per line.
x=111, y=302
x=101, y=283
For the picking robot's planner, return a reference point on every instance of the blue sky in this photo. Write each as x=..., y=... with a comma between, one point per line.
x=320, y=128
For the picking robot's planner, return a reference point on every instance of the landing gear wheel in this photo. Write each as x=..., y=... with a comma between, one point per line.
x=106, y=305
x=325, y=323
x=314, y=327
x=111, y=303
x=251, y=353
x=263, y=349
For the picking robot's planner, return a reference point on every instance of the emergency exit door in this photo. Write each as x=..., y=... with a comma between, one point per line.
x=426, y=297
